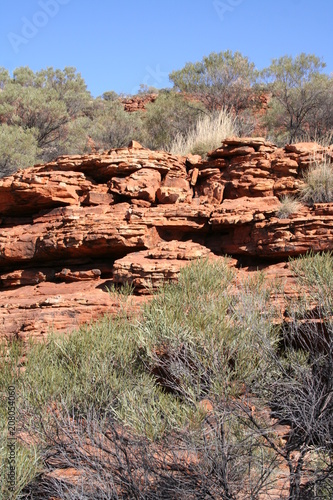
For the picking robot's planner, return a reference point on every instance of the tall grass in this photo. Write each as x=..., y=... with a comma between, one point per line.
x=323, y=139
x=208, y=133
x=318, y=183
x=288, y=206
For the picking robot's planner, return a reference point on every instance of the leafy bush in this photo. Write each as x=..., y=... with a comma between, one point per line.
x=298, y=386
x=112, y=127
x=200, y=334
x=27, y=458
x=315, y=273
x=18, y=148
x=170, y=115
x=318, y=183
x=220, y=80
x=208, y=134
x=152, y=376
x=299, y=91
x=42, y=110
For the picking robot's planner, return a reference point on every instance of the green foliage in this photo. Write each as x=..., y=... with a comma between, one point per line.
x=203, y=335
x=27, y=466
x=110, y=95
x=97, y=367
x=147, y=89
x=85, y=368
x=46, y=106
x=207, y=339
x=150, y=411
x=298, y=386
x=18, y=148
x=112, y=127
x=33, y=109
x=56, y=114
x=70, y=87
x=4, y=77
x=315, y=273
x=27, y=463
x=220, y=80
x=298, y=89
x=170, y=115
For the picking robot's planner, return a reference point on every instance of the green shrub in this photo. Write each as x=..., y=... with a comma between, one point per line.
x=86, y=368
x=315, y=274
x=27, y=466
x=27, y=459
x=299, y=90
x=112, y=127
x=171, y=114
x=18, y=149
x=222, y=79
x=203, y=335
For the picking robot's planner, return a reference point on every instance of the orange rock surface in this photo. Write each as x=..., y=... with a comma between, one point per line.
x=72, y=227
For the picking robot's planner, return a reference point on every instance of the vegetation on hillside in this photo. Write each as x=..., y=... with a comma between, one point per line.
x=50, y=112
x=302, y=98
x=187, y=400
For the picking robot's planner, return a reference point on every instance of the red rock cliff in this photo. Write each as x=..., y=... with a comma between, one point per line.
x=73, y=226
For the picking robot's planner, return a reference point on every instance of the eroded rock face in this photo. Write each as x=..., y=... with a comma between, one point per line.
x=72, y=226
x=149, y=269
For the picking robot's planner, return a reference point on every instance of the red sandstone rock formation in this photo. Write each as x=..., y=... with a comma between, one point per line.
x=72, y=227
x=138, y=102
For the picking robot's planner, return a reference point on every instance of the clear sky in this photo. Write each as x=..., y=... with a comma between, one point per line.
x=118, y=45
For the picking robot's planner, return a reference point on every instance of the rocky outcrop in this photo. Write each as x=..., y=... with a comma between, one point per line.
x=149, y=269
x=138, y=102
x=73, y=227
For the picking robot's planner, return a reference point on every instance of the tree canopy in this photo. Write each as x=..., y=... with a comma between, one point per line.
x=299, y=90
x=221, y=79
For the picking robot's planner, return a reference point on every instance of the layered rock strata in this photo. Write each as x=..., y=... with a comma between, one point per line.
x=72, y=227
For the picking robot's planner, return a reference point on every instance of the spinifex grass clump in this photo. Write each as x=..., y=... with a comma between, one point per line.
x=288, y=206
x=208, y=133
x=318, y=183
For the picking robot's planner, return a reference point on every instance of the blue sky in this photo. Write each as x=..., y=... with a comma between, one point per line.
x=118, y=45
